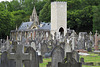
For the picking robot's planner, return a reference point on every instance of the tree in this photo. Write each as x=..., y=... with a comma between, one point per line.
x=45, y=13
x=96, y=18
x=6, y=23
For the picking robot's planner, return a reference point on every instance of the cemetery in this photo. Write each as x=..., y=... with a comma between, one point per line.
x=40, y=44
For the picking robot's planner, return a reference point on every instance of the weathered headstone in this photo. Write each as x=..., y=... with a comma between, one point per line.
x=75, y=55
x=4, y=60
x=81, y=41
x=57, y=56
x=33, y=45
x=71, y=62
x=44, y=48
x=19, y=56
x=35, y=61
x=68, y=47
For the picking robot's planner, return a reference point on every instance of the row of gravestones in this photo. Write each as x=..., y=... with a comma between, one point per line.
x=18, y=59
x=71, y=58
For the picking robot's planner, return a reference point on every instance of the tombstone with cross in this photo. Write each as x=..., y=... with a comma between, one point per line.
x=19, y=56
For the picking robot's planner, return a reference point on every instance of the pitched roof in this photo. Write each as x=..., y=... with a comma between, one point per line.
x=45, y=26
x=25, y=25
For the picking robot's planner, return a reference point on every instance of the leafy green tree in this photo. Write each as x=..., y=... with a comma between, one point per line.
x=19, y=17
x=45, y=13
x=96, y=18
x=6, y=23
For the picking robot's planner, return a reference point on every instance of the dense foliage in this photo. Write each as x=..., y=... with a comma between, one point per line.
x=82, y=15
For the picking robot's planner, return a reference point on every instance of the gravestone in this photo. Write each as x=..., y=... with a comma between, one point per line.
x=69, y=61
x=33, y=45
x=57, y=56
x=75, y=55
x=68, y=46
x=35, y=61
x=81, y=41
x=44, y=48
x=19, y=56
x=5, y=62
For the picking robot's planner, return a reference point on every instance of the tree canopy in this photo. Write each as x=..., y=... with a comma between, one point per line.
x=82, y=15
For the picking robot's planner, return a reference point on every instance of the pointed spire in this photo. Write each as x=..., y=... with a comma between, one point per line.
x=34, y=15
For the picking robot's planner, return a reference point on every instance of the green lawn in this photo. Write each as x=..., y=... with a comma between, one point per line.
x=91, y=58
x=45, y=62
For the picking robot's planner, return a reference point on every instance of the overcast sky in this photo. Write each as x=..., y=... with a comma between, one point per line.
x=5, y=0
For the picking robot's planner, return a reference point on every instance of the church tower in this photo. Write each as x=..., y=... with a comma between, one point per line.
x=34, y=18
x=59, y=18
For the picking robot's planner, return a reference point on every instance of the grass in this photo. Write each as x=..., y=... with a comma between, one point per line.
x=91, y=58
x=89, y=66
x=45, y=62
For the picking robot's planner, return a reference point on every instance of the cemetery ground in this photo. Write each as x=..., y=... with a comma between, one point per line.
x=95, y=58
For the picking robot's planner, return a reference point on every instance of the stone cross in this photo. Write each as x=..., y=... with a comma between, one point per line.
x=19, y=56
x=73, y=40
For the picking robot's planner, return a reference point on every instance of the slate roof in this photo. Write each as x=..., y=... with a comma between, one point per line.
x=42, y=26
x=45, y=26
x=24, y=25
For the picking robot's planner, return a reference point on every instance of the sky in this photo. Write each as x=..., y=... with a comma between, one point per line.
x=5, y=0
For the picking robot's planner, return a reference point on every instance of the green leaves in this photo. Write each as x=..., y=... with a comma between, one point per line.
x=96, y=18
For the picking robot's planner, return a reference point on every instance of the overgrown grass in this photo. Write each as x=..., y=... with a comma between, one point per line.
x=45, y=62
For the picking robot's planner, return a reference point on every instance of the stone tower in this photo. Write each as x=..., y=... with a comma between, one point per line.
x=59, y=18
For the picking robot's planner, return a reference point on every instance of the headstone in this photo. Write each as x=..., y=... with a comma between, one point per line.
x=68, y=47
x=96, y=41
x=44, y=48
x=57, y=56
x=73, y=40
x=81, y=41
x=69, y=61
x=5, y=62
x=33, y=45
x=75, y=55
x=19, y=56
x=35, y=61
